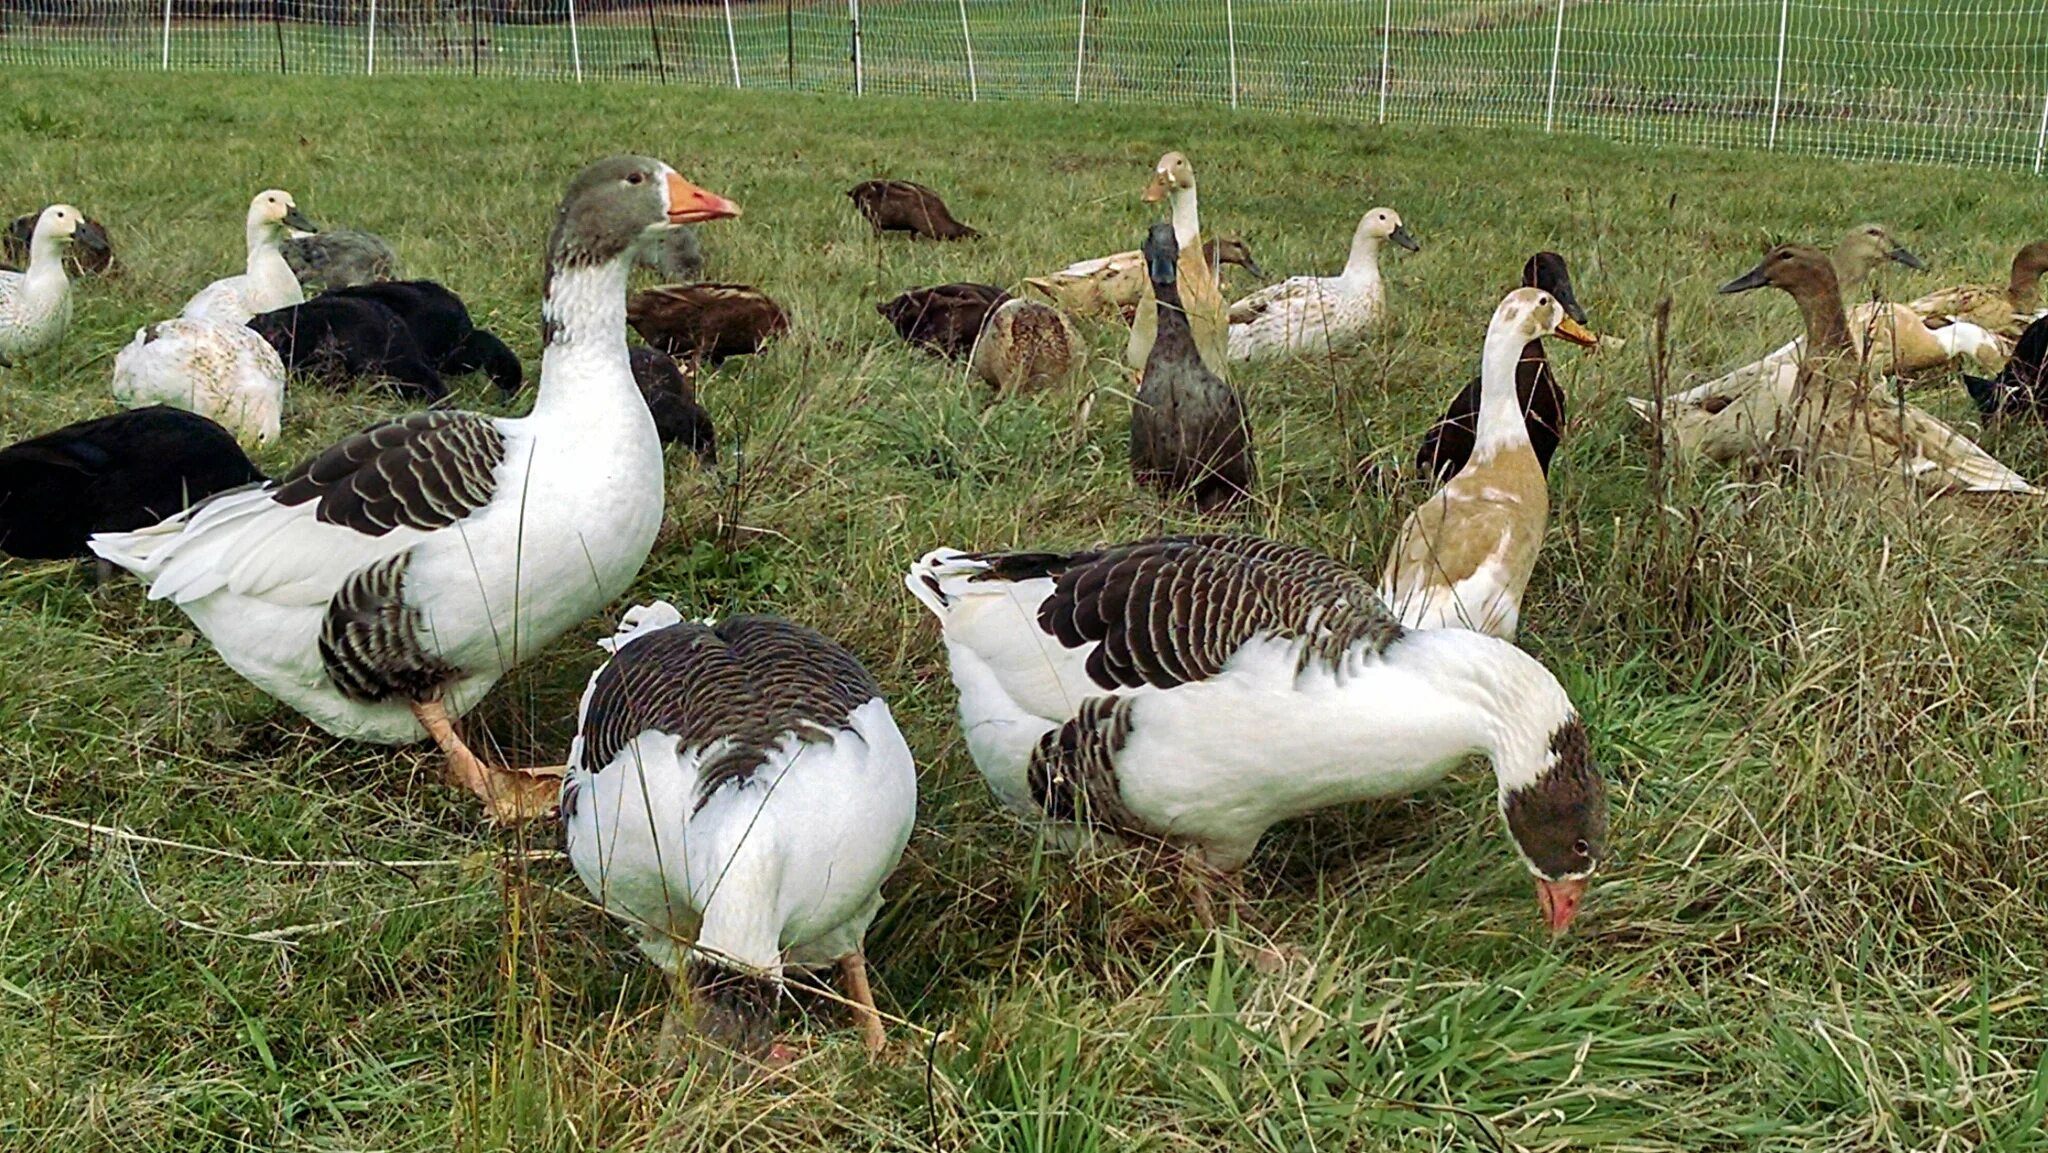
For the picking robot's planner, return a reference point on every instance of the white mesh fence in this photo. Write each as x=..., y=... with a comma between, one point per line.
x=1943, y=81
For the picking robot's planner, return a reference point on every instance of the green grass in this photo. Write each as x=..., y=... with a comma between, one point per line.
x=1825, y=926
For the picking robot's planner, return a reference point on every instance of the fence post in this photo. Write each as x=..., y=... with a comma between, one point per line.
x=1556, y=51
x=370, y=58
x=1080, y=51
x=859, y=77
x=476, y=41
x=1778, y=85
x=167, y=35
x=654, y=38
x=789, y=39
x=2041, y=137
x=1230, y=34
x=575, y=44
x=967, y=38
x=1386, y=54
x=732, y=45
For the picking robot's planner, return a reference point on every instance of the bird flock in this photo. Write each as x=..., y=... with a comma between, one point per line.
x=737, y=791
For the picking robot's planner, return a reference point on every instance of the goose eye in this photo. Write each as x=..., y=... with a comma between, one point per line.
x=636, y=178
x=1582, y=848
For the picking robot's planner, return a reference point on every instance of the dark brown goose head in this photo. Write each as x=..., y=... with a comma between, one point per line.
x=1559, y=824
x=1546, y=271
x=1808, y=276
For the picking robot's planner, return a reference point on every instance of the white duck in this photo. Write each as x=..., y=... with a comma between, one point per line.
x=738, y=792
x=218, y=370
x=35, y=304
x=1282, y=686
x=385, y=585
x=1312, y=315
x=268, y=282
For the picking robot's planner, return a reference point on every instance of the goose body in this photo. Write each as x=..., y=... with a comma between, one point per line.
x=1284, y=687
x=1312, y=315
x=737, y=793
x=339, y=258
x=387, y=583
x=1189, y=433
x=906, y=206
x=221, y=370
x=267, y=282
x=35, y=304
x=1173, y=180
x=1027, y=346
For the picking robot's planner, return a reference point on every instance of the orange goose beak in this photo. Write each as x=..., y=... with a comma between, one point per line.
x=1560, y=901
x=689, y=204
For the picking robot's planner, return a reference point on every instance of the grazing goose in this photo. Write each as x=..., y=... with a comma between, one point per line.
x=1282, y=687
x=1028, y=346
x=945, y=318
x=2023, y=385
x=901, y=206
x=1463, y=558
x=339, y=258
x=35, y=305
x=706, y=323
x=221, y=370
x=339, y=340
x=1173, y=180
x=1110, y=287
x=383, y=587
x=111, y=474
x=2004, y=311
x=1448, y=443
x=268, y=281
x=737, y=793
x=1189, y=434
x=92, y=252
x=440, y=323
x=1312, y=315
x=672, y=401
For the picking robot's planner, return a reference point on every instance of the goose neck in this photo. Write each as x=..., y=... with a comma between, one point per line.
x=583, y=333
x=1510, y=703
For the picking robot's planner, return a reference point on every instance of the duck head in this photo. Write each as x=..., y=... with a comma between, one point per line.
x=1867, y=246
x=1559, y=823
x=1162, y=256
x=1172, y=174
x=274, y=210
x=1799, y=269
x=1233, y=250
x=59, y=223
x=2028, y=266
x=1528, y=314
x=611, y=205
x=1384, y=224
x=1546, y=270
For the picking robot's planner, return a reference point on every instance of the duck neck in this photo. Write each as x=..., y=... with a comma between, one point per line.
x=583, y=333
x=266, y=264
x=1827, y=325
x=1509, y=704
x=1500, y=411
x=45, y=258
x=1187, y=218
x=1364, y=262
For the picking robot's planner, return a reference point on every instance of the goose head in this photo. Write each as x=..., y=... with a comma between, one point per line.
x=1866, y=247
x=1172, y=174
x=274, y=212
x=1558, y=822
x=1546, y=271
x=616, y=203
x=1528, y=314
x=1162, y=257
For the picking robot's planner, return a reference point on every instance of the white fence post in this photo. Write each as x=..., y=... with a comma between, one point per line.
x=1080, y=50
x=732, y=45
x=1778, y=85
x=370, y=58
x=2041, y=137
x=1386, y=55
x=575, y=44
x=859, y=79
x=1230, y=34
x=1556, y=50
x=967, y=38
x=167, y=35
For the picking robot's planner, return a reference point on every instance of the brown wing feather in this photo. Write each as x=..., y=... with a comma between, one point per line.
x=427, y=470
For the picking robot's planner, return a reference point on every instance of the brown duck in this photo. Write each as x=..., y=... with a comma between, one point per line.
x=901, y=206
x=2005, y=312
x=1189, y=434
x=945, y=318
x=706, y=323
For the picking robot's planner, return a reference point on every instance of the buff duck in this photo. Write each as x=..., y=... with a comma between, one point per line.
x=1109, y=287
x=2004, y=311
x=1313, y=315
x=1173, y=180
x=267, y=281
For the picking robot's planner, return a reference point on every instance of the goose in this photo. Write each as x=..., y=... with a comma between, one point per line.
x=111, y=474
x=737, y=793
x=440, y=323
x=1463, y=557
x=672, y=401
x=1109, y=287
x=706, y=323
x=35, y=305
x=1283, y=686
x=221, y=370
x=1817, y=414
x=339, y=340
x=1028, y=346
x=945, y=318
x=2004, y=311
x=1306, y=315
x=1173, y=180
x=1189, y=434
x=267, y=282
x=1448, y=443
x=382, y=587
x=91, y=254
x=2023, y=384
x=902, y=206
x=339, y=258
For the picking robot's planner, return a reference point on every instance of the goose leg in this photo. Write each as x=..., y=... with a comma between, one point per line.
x=1201, y=880
x=509, y=795
x=854, y=968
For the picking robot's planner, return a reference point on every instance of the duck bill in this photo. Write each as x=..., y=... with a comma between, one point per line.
x=1579, y=334
x=1156, y=189
x=1560, y=901
x=1752, y=279
x=1252, y=266
x=689, y=204
x=1563, y=293
x=1906, y=258
x=295, y=219
x=1405, y=239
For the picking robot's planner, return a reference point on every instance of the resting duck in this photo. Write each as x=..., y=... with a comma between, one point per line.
x=1173, y=179
x=706, y=323
x=340, y=340
x=1189, y=435
x=91, y=254
x=1312, y=315
x=383, y=587
x=224, y=371
x=672, y=401
x=1448, y=443
x=945, y=318
x=1463, y=558
x=340, y=258
x=35, y=305
x=678, y=256
x=441, y=325
x=2005, y=312
x=1109, y=287
x=1283, y=687
x=737, y=793
x=2023, y=385
x=1028, y=346
x=1861, y=252
x=267, y=282
x=902, y=206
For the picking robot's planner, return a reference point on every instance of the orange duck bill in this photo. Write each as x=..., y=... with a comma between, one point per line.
x=689, y=204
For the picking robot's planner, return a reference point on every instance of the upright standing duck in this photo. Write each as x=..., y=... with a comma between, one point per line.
x=268, y=281
x=1173, y=180
x=1189, y=434
x=35, y=305
x=385, y=585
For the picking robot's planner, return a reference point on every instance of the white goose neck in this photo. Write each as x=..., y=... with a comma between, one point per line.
x=1500, y=411
x=1187, y=218
x=1517, y=704
x=583, y=327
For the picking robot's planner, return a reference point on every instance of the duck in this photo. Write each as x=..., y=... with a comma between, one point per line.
x=2023, y=384
x=904, y=206
x=945, y=318
x=1312, y=315
x=112, y=474
x=1861, y=252
x=706, y=323
x=1189, y=434
x=1463, y=558
x=678, y=256
x=2005, y=312
x=1284, y=687
x=672, y=401
x=339, y=340
x=1028, y=346
x=1109, y=287
x=737, y=793
x=221, y=370
x=339, y=258
x=35, y=304
x=1448, y=443
x=268, y=281
x=441, y=325
x=1173, y=180
x=382, y=587
x=91, y=253
x=1818, y=414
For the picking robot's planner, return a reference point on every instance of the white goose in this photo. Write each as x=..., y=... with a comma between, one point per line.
x=217, y=369
x=35, y=304
x=1200, y=689
x=738, y=792
x=1310, y=315
x=268, y=282
x=385, y=585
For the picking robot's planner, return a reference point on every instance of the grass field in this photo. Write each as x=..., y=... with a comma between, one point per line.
x=1824, y=926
